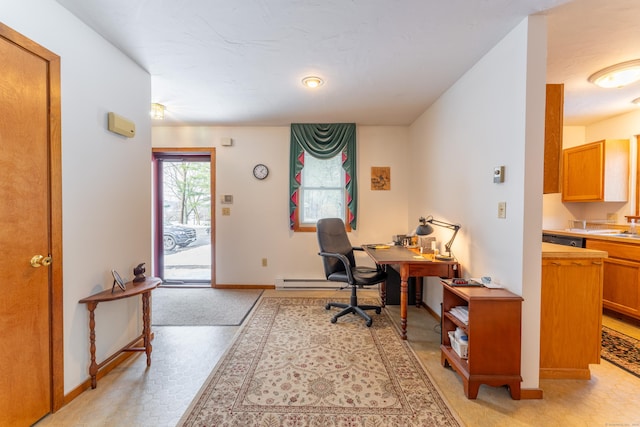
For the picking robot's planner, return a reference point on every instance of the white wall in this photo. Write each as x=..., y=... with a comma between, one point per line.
x=494, y=115
x=625, y=126
x=258, y=226
x=105, y=177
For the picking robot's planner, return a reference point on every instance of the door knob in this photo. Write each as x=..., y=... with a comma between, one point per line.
x=39, y=260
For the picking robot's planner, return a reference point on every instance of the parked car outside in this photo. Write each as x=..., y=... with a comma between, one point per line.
x=177, y=235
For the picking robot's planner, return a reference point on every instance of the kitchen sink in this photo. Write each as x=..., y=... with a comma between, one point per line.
x=627, y=235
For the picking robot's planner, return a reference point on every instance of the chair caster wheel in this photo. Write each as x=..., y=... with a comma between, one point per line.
x=378, y=310
x=327, y=307
x=369, y=323
x=334, y=320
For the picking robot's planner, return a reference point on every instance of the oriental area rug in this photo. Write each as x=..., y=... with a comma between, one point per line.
x=621, y=350
x=290, y=366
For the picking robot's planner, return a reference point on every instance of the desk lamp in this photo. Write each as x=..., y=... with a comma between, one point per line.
x=425, y=228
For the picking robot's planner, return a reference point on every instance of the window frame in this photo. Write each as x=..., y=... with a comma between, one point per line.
x=307, y=227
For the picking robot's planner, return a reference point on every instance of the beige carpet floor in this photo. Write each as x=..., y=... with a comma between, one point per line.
x=202, y=306
x=289, y=365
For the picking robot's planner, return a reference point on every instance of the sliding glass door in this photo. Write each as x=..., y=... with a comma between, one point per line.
x=183, y=214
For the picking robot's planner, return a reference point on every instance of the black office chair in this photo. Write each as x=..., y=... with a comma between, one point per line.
x=340, y=266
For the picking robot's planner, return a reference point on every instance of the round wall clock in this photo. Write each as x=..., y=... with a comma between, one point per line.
x=260, y=171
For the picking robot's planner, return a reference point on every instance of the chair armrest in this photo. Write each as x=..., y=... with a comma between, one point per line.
x=345, y=262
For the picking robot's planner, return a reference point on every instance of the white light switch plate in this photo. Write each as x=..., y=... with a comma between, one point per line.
x=502, y=209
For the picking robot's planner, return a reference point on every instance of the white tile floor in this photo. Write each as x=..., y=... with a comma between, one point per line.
x=132, y=395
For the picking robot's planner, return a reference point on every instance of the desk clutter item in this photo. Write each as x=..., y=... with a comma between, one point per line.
x=459, y=345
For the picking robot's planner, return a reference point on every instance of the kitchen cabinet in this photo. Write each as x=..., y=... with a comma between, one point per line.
x=494, y=337
x=621, y=279
x=553, y=123
x=596, y=172
x=571, y=311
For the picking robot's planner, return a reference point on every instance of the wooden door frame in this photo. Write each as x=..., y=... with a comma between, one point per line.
x=211, y=151
x=56, y=338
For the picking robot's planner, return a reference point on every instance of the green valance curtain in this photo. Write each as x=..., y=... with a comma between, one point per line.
x=323, y=141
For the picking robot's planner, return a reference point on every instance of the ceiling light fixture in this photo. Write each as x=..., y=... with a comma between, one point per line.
x=617, y=75
x=157, y=111
x=636, y=101
x=312, y=82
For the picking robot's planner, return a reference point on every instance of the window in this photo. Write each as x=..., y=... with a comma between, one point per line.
x=322, y=192
x=322, y=175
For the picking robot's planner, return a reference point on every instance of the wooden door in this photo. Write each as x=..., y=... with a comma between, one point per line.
x=30, y=287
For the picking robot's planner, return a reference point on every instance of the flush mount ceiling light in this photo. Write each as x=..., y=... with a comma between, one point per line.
x=617, y=75
x=157, y=111
x=636, y=102
x=312, y=82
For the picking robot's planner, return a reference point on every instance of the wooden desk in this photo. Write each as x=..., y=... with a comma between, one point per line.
x=137, y=288
x=411, y=264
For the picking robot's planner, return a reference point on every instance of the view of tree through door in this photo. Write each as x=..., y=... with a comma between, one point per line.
x=183, y=194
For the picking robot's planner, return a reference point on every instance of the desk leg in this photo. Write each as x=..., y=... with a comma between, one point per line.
x=404, y=300
x=383, y=293
x=93, y=367
x=146, y=325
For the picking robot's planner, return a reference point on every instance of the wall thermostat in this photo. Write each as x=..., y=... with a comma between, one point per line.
x=498, y=174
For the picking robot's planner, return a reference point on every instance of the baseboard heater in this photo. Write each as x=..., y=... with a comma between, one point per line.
x=306, y=284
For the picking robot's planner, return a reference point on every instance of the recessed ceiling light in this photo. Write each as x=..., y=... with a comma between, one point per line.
x=617, y=75
x=312, y=82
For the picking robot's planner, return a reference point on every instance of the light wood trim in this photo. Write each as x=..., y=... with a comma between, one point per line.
x=211, y=151
x=531, y=393
x=554, y=118
x=55, y=206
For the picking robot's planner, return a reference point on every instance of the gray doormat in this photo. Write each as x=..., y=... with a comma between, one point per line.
x=201, y=306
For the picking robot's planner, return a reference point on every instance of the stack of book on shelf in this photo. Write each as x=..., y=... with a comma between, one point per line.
x=461, y=312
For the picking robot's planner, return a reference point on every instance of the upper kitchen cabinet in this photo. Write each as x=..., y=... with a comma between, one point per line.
x=554, y=116
x=596, y=172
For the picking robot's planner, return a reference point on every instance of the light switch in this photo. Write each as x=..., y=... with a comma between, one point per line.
x=502, y=209
x=226, y=211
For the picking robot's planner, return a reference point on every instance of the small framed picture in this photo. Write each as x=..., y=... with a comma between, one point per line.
x=117, y=280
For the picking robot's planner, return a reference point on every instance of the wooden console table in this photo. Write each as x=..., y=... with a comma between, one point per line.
x=132, y=289
x=411, y=264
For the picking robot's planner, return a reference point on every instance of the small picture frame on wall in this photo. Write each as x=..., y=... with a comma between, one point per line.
x=380, y=178
x=117, y=281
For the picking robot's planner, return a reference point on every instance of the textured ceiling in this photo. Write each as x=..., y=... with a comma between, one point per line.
x=240, y=62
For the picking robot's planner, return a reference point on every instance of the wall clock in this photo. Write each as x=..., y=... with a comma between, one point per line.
x=260, y=171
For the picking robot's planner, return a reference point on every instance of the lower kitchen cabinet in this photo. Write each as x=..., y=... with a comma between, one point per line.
x=571, y=316
x=621, y=283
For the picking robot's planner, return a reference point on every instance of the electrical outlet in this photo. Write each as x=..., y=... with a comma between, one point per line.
x=264, y=262
x=226, y=211
x=502, y=209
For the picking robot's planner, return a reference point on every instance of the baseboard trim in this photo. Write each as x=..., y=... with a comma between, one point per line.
x=237, y=286
x=531, y=393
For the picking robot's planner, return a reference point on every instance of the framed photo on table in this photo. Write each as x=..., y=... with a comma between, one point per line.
x=117, y=280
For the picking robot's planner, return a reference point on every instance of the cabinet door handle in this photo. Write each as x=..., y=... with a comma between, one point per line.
x=555, y=263
x=576, y=263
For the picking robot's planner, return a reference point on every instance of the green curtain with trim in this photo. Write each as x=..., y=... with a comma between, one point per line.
x=323, y=141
